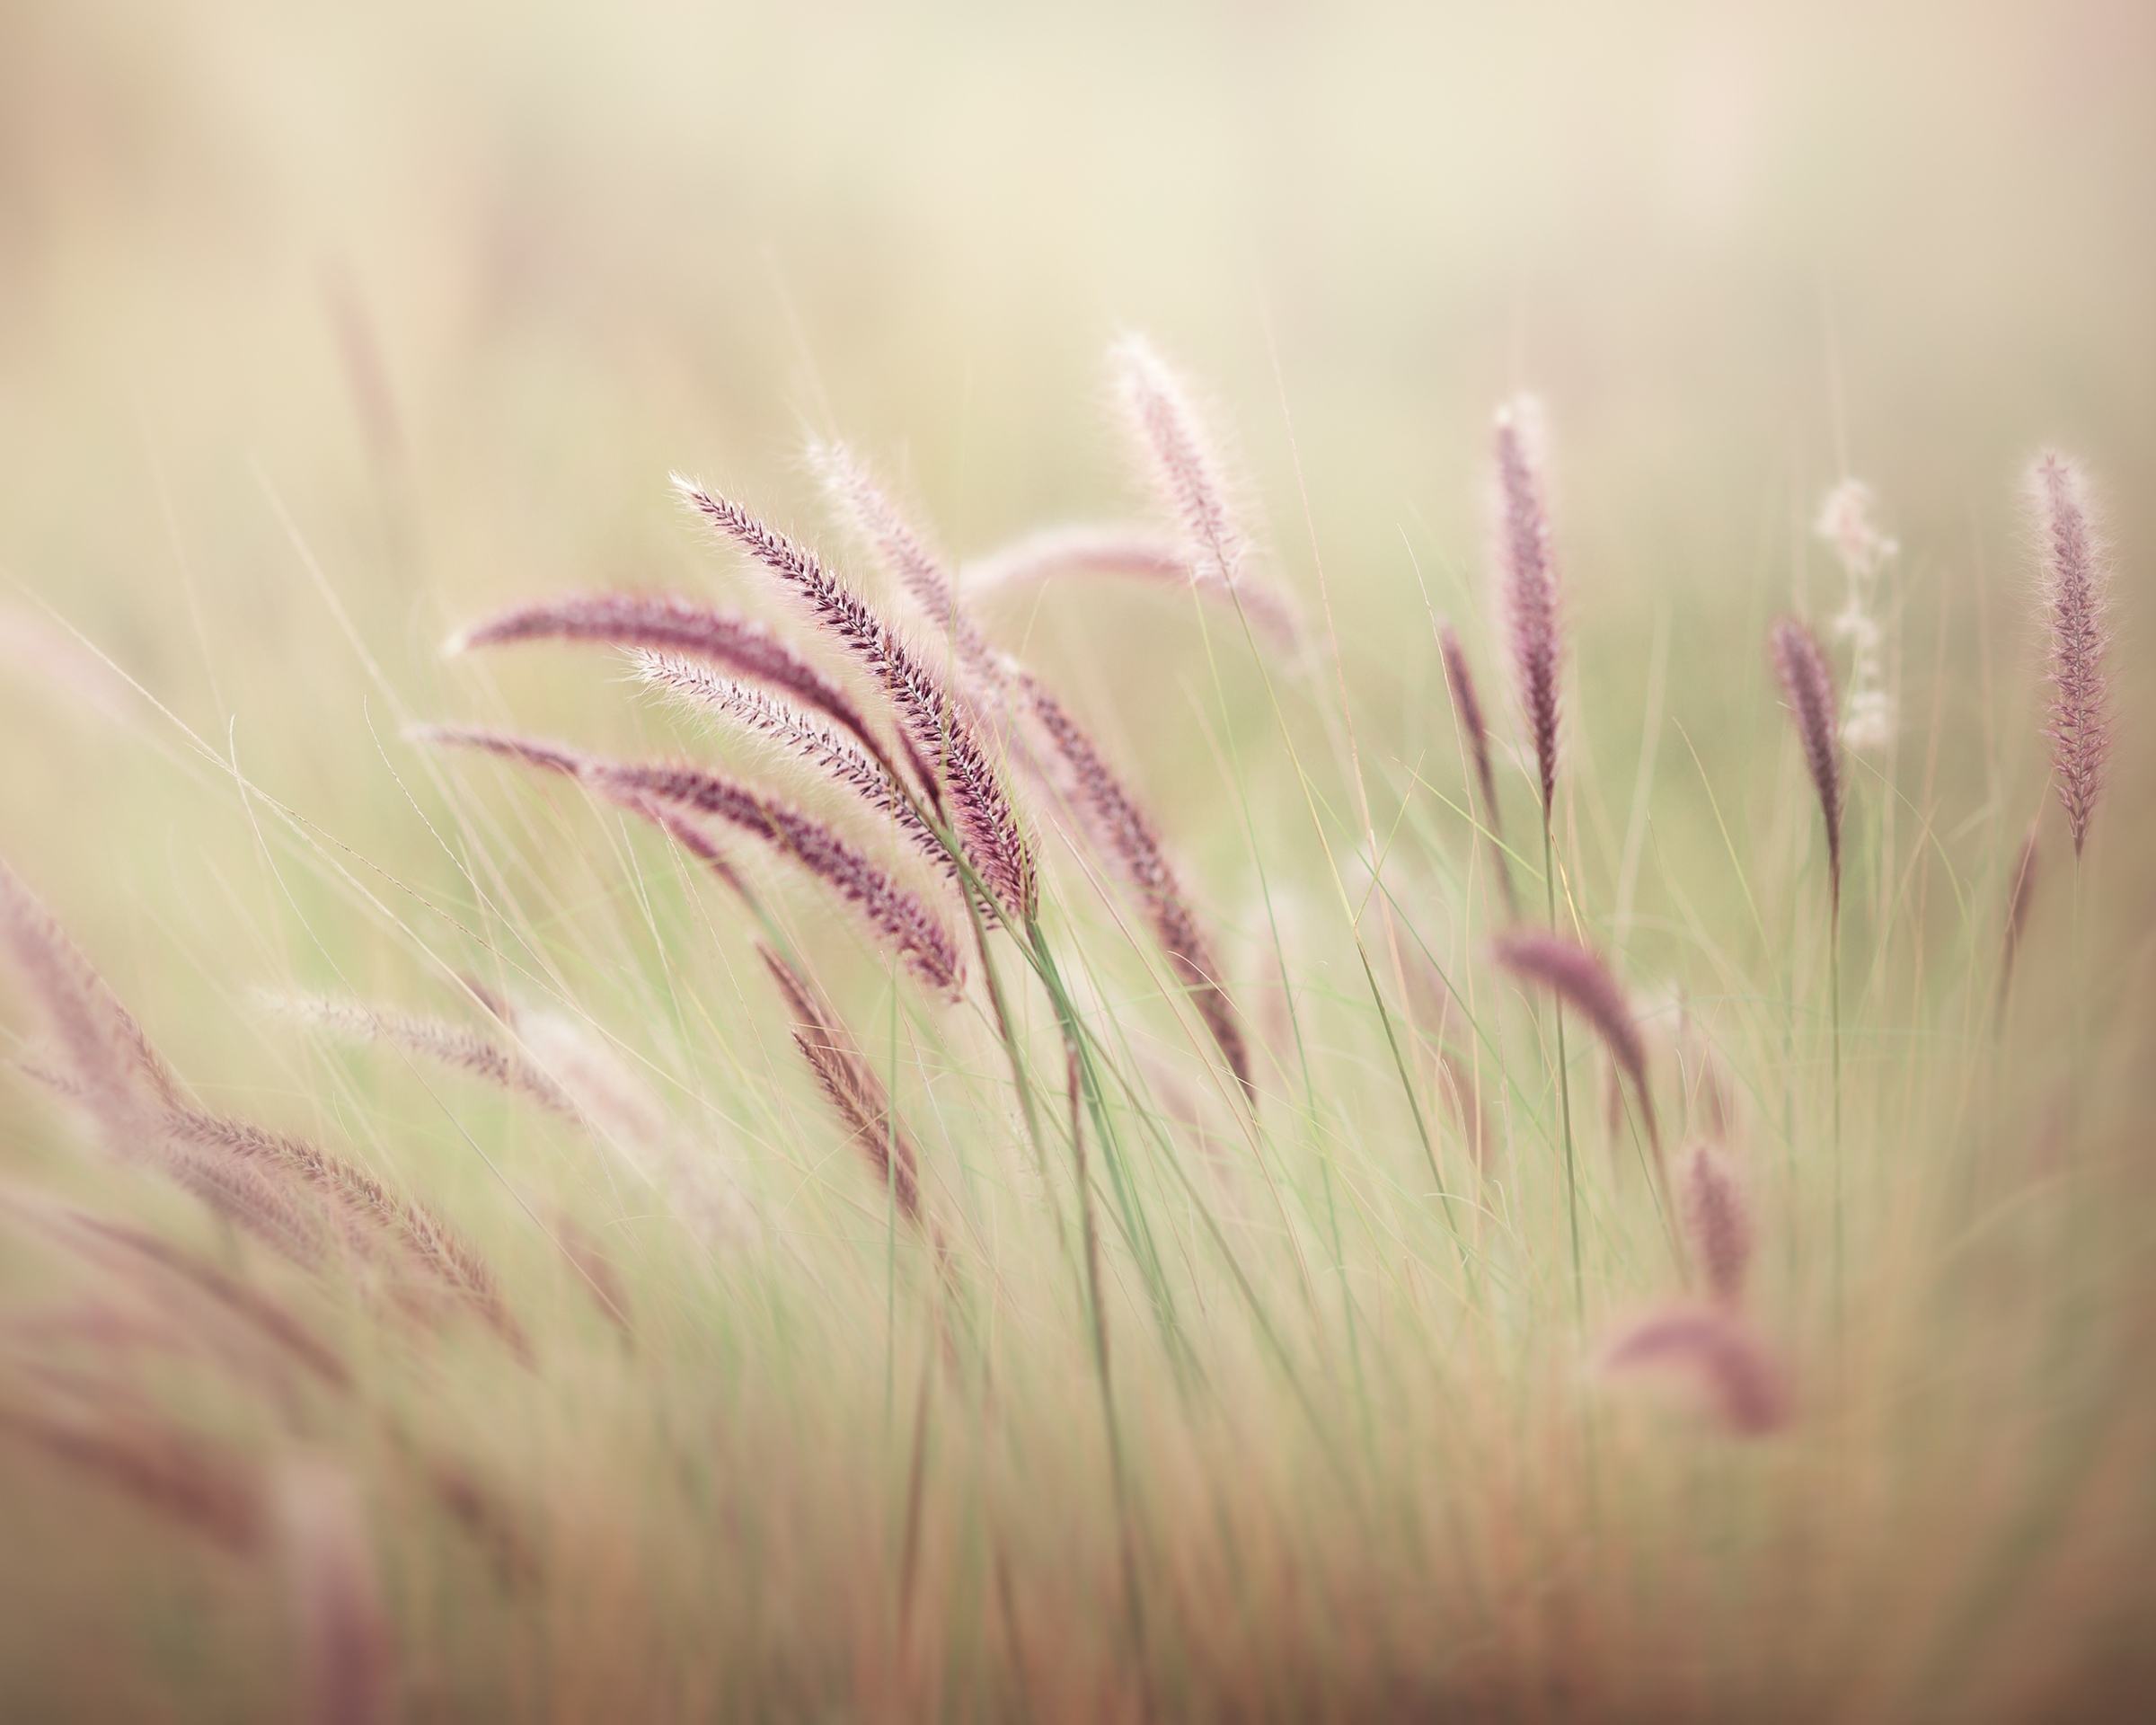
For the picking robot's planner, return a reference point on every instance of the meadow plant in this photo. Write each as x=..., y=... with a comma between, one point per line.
x=958, y=1269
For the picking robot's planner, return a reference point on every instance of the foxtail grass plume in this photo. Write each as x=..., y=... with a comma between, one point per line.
x=906, y=555
x=203, y=1485
x=1846, y=522
x=347, y=1663
x=1127, y=837
x=1467, y=708
x=1717, y=1222
x=1580, y=979
x=898, y=917
x=175, y=1276
x=796, y=734
x=668, y=622
x=1133, y=551
x=1526, y=567
x=853, y=1087
x=452, y=1044
x=1809, y=686
x=1720, y=1352
x=2076, y=602
x=298, y=1199
x=1187, y=468
x=939, y=730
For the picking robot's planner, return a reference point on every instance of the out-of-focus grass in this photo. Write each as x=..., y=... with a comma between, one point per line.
x=319, y=333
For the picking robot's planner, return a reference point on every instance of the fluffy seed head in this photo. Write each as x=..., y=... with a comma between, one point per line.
x=2076, y=603
x=798, y=735
x=1809, y=687
x=905, y=553
x=670, y=623
x=1580, y=979
x=1127, y=837
x=1467, y=707
x=941, y=736
x=1720, y=1352
x=1187, y=469
x=851, y=1084
x=1133, y=551
x=346, y=1659
x=1526, y=566
x=662, y=791
x=1717, y=1222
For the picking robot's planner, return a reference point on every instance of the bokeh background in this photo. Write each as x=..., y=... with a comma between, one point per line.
x=322, y=327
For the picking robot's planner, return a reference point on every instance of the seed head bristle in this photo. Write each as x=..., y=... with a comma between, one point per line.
x=1526, y=566
x=1809, y=686
x=936, y=726
x=2077, y=601
x=1125, y=837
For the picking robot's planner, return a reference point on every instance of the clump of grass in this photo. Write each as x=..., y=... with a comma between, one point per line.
x=1189, y=1365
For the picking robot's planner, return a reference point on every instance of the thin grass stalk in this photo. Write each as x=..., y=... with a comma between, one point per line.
x=1077, y=1083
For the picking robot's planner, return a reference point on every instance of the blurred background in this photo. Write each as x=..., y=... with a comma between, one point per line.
x=323, y=327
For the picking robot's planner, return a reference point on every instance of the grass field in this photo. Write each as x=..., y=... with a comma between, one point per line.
x=1081, y=1165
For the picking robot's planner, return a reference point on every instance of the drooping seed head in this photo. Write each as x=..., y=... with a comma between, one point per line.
x=1467, y=708
x=2076, y=584
x=852, y=1085
x=668, y=622
x=662, y=791
x=1579, y=977
x=906, y=555
x=1187, y=468
x=941, y=736
x=1127, y=837
x=1720, y=1352
x=1809, y=687
x=776, y=722
x=1526, y=568
x=1080, y=549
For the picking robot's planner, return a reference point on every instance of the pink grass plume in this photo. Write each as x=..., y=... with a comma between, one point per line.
x=1719, y=1352
x=2076, y=587
x=1526, y=568
x=1809, y=687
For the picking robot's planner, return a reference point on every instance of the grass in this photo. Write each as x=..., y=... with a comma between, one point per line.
x=1216, y=1405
